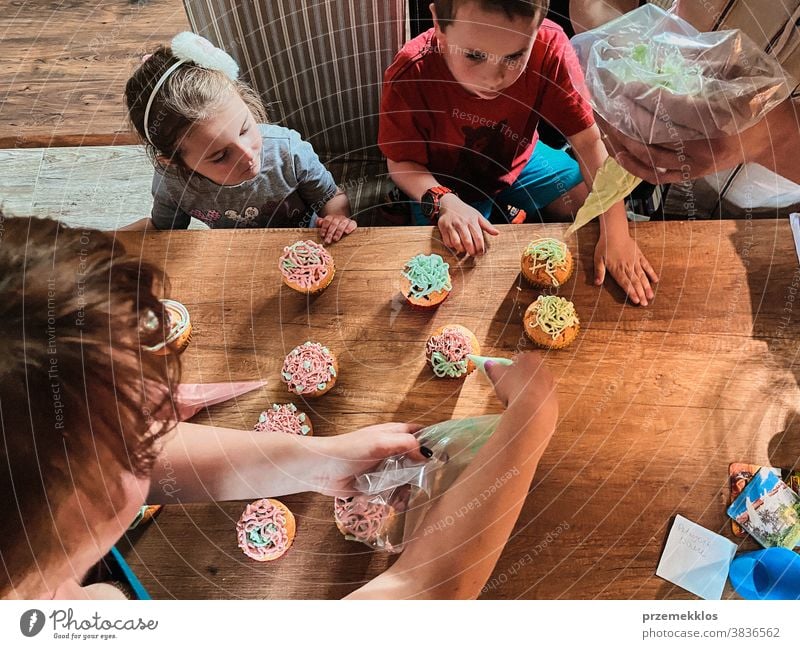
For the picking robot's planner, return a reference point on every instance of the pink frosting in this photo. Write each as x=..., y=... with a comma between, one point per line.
x=305, y=263
x=262, y=531
x=284, y=418
x=308, y=368
x=452, y=343
x=360, y=519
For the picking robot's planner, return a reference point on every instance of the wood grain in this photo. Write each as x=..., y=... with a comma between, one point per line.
x=64, y=65
x=655, y=402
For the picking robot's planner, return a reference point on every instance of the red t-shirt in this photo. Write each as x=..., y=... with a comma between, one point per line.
x=476, y=146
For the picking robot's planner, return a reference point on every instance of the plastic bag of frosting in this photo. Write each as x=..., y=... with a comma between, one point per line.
x=394, y=497
x=656, y=79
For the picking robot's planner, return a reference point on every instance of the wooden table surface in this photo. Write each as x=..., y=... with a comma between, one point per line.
x=655, y=402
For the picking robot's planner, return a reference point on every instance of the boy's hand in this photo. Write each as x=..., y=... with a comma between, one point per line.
x=341, y=457
x=334, y=226
x=462, y=226
x=618, y=253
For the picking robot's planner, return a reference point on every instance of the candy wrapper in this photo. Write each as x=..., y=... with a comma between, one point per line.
x=394, y=498
x=655, y=78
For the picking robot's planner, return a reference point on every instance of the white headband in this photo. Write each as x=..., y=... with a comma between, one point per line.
x=189, y=47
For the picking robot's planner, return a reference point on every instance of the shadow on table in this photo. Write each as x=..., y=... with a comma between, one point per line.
x=773, y=278
x=429, y=400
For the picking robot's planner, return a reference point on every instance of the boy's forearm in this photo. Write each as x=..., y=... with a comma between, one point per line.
x=463, y=534
x=412, y=178
x=339, y=204
x=208, y=463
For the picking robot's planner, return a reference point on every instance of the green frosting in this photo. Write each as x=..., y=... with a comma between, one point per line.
x=661, y=66
x=260, y=541
x=442, y=367
x=550, y=254
x=427, y=274
x=554, y=314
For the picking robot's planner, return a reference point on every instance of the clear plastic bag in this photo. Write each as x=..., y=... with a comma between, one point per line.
x=394, y=498
x=655, y=78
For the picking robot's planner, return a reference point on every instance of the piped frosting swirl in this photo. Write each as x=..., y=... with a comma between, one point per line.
x=548, y=254
x=283, y=418
x=308, y=368
x=305, y=263
x=448, y=352
x=427, y=274
x=262, y=532
x=555, y=314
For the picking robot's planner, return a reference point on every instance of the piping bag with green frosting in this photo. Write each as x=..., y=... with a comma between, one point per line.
x=612, y=183
x=480, y=361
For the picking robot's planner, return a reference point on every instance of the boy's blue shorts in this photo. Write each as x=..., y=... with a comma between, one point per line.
x=550, y=173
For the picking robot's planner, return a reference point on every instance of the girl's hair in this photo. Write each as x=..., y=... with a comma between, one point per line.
x=81, y=402
x=190, y=94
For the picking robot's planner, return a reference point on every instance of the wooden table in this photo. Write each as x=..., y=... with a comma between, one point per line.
x=655, y=402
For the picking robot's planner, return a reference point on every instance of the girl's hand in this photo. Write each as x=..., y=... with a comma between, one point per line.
x=462, y=226
x=618, y=253
x=526, y=380
x=341, y=457
x=334, y=226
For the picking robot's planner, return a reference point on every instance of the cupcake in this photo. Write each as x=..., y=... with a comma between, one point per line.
x=265, y=530
x=447, y=351
x=425, y=281
x=284, y=418
x=551, y=322
x=178, y=331
x=310, y=370
x=547, y=263
x=306, y=267
x=361, y=520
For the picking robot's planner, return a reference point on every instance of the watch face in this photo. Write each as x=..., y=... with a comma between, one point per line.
x=427, y=204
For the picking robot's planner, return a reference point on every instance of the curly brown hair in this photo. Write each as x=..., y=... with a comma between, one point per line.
x=81, y=402
x=446, y=9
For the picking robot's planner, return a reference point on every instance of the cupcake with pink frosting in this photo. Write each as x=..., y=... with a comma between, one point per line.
x=360, y=520
x=266, y=530
x=306, y=267
x=310, y=370
x=447, y=351
x=284, y=418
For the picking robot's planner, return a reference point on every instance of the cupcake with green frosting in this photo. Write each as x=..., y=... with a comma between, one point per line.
x=551, y=322
x=547, y=263
x=425, y=281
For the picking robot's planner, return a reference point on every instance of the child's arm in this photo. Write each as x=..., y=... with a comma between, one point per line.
x=455, y=560
x=334, y=218
x=461, y=225
x=616, y=250
x=209, y=463
x=141, y=224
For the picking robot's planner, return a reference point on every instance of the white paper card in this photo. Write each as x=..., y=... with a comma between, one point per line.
x=696, y=559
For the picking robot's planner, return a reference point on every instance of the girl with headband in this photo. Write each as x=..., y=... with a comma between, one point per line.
x=216, y=159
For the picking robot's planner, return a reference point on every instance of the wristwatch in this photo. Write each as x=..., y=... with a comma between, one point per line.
x=431, y=199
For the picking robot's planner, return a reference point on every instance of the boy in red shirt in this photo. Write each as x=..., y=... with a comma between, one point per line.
x=460, y=107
